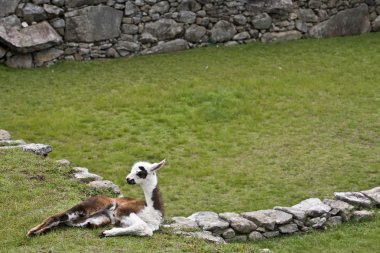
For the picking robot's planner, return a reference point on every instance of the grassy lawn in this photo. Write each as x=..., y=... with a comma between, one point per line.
x=243, y=128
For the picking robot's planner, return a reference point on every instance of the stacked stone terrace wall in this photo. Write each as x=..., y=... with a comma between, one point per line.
x=41, y=32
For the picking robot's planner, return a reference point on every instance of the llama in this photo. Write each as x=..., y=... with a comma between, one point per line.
x=131, y=216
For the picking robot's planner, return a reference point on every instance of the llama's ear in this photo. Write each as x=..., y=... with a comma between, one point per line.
x=157, y=166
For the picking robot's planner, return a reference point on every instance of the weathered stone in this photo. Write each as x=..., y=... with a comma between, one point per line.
x=340, y=207
x=222, y=31
x=87, y=176
x=52, y=10
x=164, y=29
x=262, y=21
x=63, y=162
x=242, y=36
x=131, y=9
x=204, y=235
x=187, y=17
x=33, y=13
x=47, y=55
x=334, y=221
x=297, y=213
x=363, y=215
x=32, y=38
x=239, y=19
x=38, y=149
x=229, y=233
x=111, y=52
x=41, y=1
x=167, y=47
x=238, y=223
x=238, y=238
x=301, y=26
x=189, y=5
x=209, y=221
x=268, y=218
x=80, y=169
x=129, y=29
x=76, y=3
x=288, y=228
x=195, y=33
x=58, y=23
x=183, y=223
x=105, y=184
x=315, y=4
x=317, y=222
x=255, y=236
x=270, y=6
x=271, y=234
x=59, y=3
x=376, y=24
x=8, y=7
x=20, y=61
x=308, y=15
x=373, y=194
x=313, y=207
x=281, y=36
x=160, y=7
x=348, y=22
x=4, y=135
x=147, y=38
x=354, y=198
x=93, y=23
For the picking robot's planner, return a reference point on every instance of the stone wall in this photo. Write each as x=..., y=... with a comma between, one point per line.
x=40, y=32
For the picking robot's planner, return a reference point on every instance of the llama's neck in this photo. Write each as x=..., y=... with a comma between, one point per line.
x=152, y=194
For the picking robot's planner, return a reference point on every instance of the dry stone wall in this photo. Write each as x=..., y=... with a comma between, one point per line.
x=41, y=32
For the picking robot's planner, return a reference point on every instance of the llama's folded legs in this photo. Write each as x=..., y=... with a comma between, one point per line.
x=132, y=225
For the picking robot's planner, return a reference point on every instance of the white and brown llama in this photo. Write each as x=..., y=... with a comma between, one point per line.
x=131, y=216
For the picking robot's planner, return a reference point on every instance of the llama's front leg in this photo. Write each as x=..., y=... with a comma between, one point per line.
x=133, y=225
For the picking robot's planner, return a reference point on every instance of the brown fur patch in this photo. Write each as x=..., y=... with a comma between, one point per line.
x=158, y=204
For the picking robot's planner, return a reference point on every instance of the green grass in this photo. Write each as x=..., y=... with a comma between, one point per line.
x=243, y=128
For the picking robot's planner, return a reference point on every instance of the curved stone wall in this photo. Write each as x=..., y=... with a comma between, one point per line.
x=40, y=32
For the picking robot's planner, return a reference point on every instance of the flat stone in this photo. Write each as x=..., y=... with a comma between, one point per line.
x=238, y=223
x=242, y=36
x=363, y=215
x=317, y=222
x=313, y=207
x=38, y=149
x=268, y=218
x=340, y=207
x=147, y=38
x=8, y=7
x=288, y=228
x=183, y=223
x=204, y=235
x=87, y=177
x=271, y=234
x=353, y=21
x=297, y=213
x=128, y=46
x=334, y=221
x=105, y=184
x=164, y=29
x=373, y=194
x=222, y=31
x=80, y=169
x=32, y=38
x=208, y=221
x=167, y=47
x=354, y=198
x=255, y=236
x=5, y=135
x=76, y=3
x=281, y=36
x=47, y=55
x=270, y=6
x=93, y=23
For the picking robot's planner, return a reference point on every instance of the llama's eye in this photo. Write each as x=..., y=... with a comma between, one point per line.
x=142, y=174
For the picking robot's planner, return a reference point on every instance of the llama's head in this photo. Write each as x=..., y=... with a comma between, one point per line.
x=143, y=172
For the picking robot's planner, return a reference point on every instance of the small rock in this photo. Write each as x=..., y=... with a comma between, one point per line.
x=80, y=169
x=204, y=235
x=87, y=177
x=105, y=184
x=373, y=194
x=288, y=228
x=238, y=223
x=297, y=213
x=242, y=36
x=268, y=218
x=262, y=21
x=228, y=234
x=313, y=207
x=238, y=238
x=265, y=250
x=255, y=236
x=340, y=207
x=271, y=234
x=363, y=215
x=64, y=162
x=222, y=31
x=38, y=149
x=354, y=198
x=12, y=142
x=4, y=135
x=317, y=222
x=183, y=223
x=334, y=221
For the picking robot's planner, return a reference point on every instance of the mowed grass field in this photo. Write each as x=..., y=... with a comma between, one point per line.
x=242, y=128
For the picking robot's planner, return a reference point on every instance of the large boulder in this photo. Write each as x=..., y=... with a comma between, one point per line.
x=32, y=38
x=164, y=29
x=8, y=7
x=223, y=31
x=93, y=23
x=270, y=6
x=348, y=22
x=76, y=3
